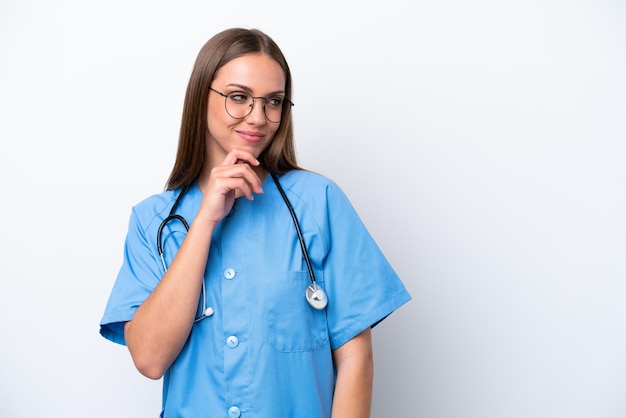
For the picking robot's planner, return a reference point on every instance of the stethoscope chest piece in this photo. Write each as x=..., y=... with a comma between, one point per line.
x=316, y=297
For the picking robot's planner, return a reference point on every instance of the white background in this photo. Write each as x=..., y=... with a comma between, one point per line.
x=482, y=143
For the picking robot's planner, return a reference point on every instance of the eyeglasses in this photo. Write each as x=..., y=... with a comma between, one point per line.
x=239, y=105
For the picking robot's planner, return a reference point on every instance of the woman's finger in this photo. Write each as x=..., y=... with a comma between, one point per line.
x=242, y=171
x=237, y=156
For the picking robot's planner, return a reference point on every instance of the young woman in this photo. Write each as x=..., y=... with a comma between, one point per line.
x=250, y=285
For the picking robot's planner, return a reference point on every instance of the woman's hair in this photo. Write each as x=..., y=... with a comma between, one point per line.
x=278, y=157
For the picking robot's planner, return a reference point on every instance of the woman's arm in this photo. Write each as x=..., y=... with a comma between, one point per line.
x=354, y=362
x=161, y=325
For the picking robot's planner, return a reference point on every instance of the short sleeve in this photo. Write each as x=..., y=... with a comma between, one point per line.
x=362, y=286
x=139, y=275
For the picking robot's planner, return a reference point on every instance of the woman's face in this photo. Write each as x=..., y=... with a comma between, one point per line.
x=257, y=75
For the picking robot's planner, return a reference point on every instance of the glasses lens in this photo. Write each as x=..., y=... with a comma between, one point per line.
x=274, y=108
x=238, y=104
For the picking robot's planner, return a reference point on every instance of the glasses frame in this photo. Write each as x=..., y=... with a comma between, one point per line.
x=287, y=103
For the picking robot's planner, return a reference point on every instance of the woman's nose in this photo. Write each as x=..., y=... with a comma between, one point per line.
x=257, y=114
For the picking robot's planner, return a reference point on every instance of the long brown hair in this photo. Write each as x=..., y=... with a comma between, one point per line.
x=280, y=154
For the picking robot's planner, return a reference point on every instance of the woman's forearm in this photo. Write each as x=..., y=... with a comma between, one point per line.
x=355, y=374
x=162, y=323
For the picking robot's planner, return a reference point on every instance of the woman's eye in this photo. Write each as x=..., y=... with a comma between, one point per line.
x=275, y=101
x=239, y=97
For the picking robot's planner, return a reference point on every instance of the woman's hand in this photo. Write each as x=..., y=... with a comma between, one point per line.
x=234, y=177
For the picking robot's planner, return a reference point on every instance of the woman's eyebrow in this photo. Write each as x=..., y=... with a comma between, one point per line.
x=249, y=90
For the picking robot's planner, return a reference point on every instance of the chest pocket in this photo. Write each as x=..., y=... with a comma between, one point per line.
x=293, y=325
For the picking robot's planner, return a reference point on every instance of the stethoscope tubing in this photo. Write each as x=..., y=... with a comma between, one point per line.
x=172, y=215
x=314, y=294
x=305, y=253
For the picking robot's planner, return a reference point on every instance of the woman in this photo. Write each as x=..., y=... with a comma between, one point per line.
x=219, y=311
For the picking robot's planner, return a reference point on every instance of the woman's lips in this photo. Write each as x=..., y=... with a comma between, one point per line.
x=254, y=137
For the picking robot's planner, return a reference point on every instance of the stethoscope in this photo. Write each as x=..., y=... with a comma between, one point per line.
x=314, y=294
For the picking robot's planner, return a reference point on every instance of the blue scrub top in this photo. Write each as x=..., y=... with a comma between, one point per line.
x=265, y=352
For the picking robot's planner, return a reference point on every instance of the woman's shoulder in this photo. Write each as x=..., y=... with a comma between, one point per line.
x=301, y=181
x=157, y=201
x=154, y=207
x=313, y=188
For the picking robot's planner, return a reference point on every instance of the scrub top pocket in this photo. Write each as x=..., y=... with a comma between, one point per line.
x=293, y=325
